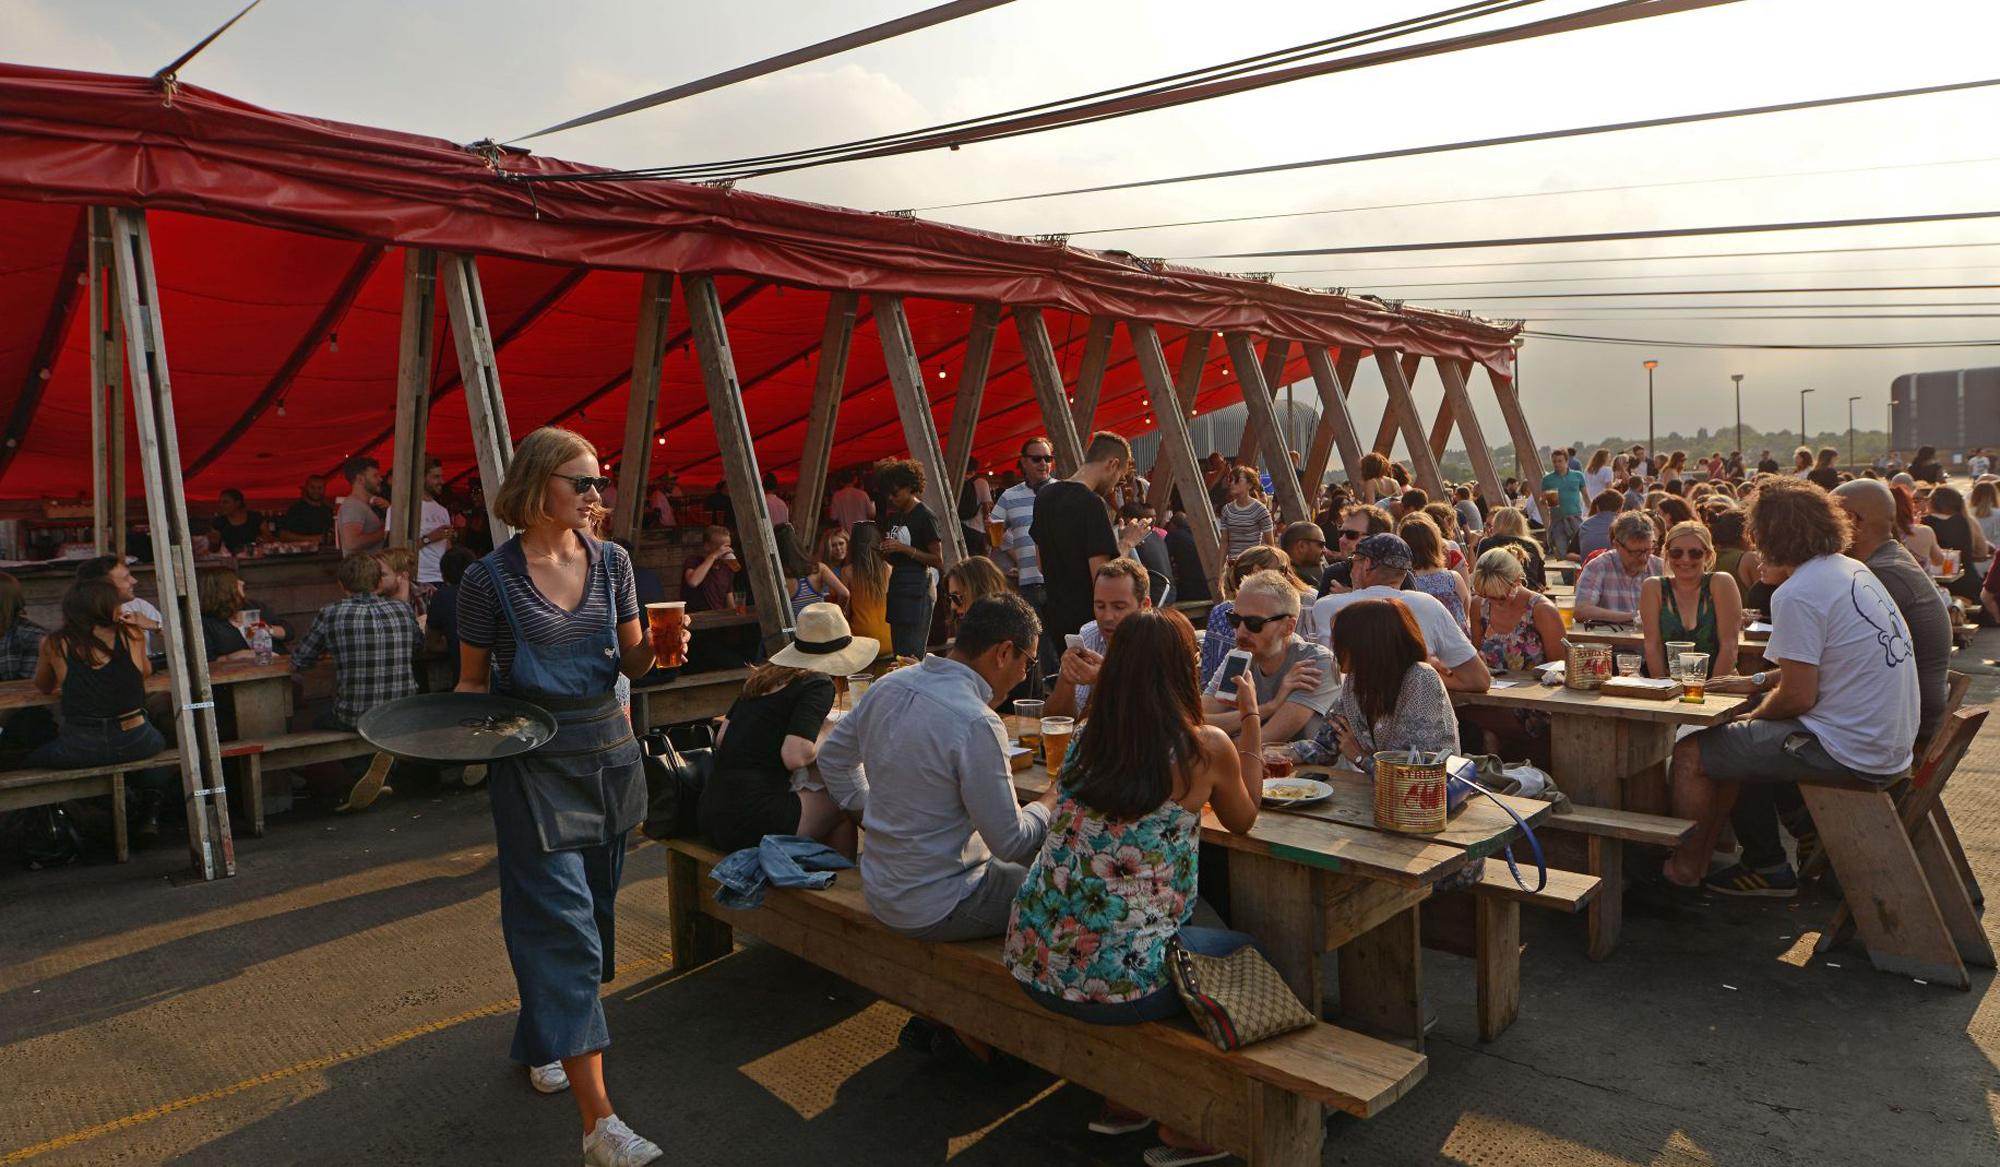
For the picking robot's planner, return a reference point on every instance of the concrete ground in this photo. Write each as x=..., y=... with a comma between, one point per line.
x=346, y=999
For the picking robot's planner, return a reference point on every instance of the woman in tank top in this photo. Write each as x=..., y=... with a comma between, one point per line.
x=97, y=661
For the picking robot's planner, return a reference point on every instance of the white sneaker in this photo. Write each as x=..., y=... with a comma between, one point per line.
x=549, y=1079
x=613, y=1144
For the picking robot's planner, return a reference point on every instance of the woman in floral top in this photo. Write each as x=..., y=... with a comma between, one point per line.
x=1114, y=885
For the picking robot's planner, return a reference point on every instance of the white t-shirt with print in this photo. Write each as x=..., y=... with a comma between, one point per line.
x=1835, y=614
x=430, y=557
x=1442, y=635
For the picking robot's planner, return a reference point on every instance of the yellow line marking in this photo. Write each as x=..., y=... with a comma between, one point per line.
x=265, y=1079
x=958, y=1146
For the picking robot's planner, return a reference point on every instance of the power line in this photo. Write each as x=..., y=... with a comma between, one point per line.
x=1726, y=319
x=1797, y=271
x=1716, y=292
x=1610, y=236
x=1770, y=307
x=886, y=30
x=1585, y=338
x=1511, y=263
x=1533, y=194
x=1481, y=143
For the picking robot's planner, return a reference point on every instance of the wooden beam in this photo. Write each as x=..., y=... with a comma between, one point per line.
x=416, y=347
x=69, y=290
x=479, y=372
x=1090, y=375
x=1178, y=446
x=739, y=458
x=972, y=386
x=337, y=304
x=913, y=404
x=210, y=846
x=1273, y=367
x=1336, y=425
x=1187, y=386
x=816, y=459
x=1395, y=376
x=1264, y=420
x=1047, y=377
x=107, y=391
x=1527, y=455
x=649, y=350
x=1458, y=401
x=1441, y=425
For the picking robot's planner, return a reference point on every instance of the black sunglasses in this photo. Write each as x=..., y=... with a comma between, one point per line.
x=1038, y=458
x=585, y=483
x=1346, y=535
x=1253, y=623
x=955, y=597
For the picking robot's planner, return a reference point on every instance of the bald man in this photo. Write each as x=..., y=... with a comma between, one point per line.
x=1872, y=509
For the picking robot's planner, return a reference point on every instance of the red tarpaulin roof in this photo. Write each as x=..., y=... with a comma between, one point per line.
x=277, y=236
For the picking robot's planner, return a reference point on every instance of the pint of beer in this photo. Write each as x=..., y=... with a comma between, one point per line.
x=996, y=531
x=664, y=622
x=1055, y=740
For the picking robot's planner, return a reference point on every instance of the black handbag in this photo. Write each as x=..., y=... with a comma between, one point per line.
x=675, y=779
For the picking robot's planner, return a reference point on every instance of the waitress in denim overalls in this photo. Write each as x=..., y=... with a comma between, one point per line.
x=552, y=617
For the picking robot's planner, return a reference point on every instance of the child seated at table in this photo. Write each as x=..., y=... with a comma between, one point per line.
x=1114, y=884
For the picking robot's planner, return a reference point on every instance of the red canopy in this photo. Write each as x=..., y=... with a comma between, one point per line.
x=280, y=291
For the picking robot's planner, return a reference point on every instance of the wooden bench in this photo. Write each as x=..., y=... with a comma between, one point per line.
x=1263, y=1103
x=1486, y=927
x=694, y=697
x=20, y=789
x=1605, y=833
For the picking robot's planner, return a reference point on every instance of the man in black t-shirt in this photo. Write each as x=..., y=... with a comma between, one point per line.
x=912, y=544
x=1073, y=538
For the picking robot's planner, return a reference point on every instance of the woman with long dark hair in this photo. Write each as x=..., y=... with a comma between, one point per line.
x=867, y=578
x=813, y=581
x=1125, y=832
x=1390, y=699
x=98, y=663
x=1955, y=532
x=552, y=616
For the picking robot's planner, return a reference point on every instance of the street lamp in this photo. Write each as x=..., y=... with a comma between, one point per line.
x=1850, y=431
x=1802, y=417
x=1652, y=440
x=1738, y=378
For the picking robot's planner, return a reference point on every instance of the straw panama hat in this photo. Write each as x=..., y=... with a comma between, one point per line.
x=824, y=643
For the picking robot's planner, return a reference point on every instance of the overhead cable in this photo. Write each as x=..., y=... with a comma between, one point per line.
x=1796, y=271
x=1511, y=263
x=886, y=30
x=1482, y=143
x=1531, y=194
x=1715, y=292
x=1608, y=236
x=1643, y=342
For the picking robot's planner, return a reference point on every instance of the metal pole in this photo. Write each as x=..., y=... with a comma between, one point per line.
x=1652, y=439
x=1803, y=440
x=1738, y=378
x=1850, y=431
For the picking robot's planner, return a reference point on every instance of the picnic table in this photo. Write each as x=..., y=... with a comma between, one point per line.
x=1563, y=567
x=1628, y=638
x=721, y=618
x=1610, y=753
x=1323, y=878
x=260, y=694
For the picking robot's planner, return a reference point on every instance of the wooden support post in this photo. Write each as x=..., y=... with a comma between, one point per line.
x=835, y=342
x=913, y=404
x=1403, y=408
x=642, y=407
x=1458, y=402
x=1047, y=377
x=485, y=407
x=1336, y=425
x=1187, y=385
x=1176, y=446
x=1527, y=456
x=1090, y=375
x=972, y=379
x=1264, y=420
x=739, y=459
x=1250, y=449
x=413, y=395
x=107, y=393
x=209, y=843
x=1441, y=426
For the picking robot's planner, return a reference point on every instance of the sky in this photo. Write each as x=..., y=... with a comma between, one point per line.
x=471, y=69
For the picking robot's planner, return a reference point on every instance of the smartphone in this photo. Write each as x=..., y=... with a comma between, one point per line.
x=1233, y=666
x=1073, y=640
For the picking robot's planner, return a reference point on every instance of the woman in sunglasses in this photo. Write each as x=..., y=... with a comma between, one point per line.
x=1692, y=601
x=552, y=616
x=970, y=580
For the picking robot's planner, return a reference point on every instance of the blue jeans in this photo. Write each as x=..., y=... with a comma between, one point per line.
x=84, y=742
x=1163, y=1003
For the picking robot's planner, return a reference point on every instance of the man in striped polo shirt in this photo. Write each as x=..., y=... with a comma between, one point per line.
x=1016, y=508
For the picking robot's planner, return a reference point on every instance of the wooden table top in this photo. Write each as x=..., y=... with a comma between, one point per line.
x=1560, y=700
x=1624, y=636
x=23, y=694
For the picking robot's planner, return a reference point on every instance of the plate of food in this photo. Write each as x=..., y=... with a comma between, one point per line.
x=1295, y=791
x=457, y=727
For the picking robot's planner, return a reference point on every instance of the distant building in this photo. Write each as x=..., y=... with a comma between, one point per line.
x=1950, y=410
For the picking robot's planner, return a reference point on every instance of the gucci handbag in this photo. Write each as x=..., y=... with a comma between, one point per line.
x=1236, y=999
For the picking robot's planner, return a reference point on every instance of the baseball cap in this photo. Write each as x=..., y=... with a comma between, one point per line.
x=1385, y=550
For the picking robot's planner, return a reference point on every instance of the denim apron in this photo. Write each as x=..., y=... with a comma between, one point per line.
x=560, y=815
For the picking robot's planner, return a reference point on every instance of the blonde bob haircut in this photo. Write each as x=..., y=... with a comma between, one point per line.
x=1274, y=585
x=1497, y=573
x=523, y=500
x=1510, y=521
x=1701, y=534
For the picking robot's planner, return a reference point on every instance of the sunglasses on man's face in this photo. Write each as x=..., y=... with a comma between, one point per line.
x=1253, y=623
x=1038, y=459
x=585, y=483
x=1346, y=535
x=1636, y=552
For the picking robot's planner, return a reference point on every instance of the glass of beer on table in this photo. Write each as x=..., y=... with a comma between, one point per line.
x=1566, y=608
x=1694, y=676
x=1278, y=761
x=664, y=622
x=1056, y=732
x=1028, y=716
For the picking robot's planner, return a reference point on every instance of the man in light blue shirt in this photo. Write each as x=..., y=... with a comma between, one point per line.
x=1566, y=483
x=923, y=761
